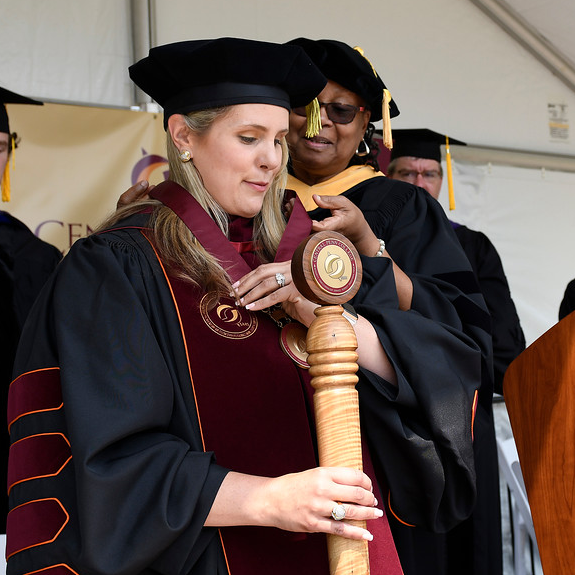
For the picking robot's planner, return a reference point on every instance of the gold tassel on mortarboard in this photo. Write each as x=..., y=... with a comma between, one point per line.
x=387, y=137
x=313, y=116
x=386, y=129
x=449, y=174
x=6, y=174
x=6, y=184
x=362, y=52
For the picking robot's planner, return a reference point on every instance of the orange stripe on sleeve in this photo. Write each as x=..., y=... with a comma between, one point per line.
x=393, y=512
x=34, y=392
x=37, y=456
x=473, y=412
x=34, y=523
x=60, y=569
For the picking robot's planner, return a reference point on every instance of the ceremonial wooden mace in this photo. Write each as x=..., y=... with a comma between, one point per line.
x=326, y=269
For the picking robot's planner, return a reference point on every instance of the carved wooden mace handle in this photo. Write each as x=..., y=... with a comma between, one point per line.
x=326, y=269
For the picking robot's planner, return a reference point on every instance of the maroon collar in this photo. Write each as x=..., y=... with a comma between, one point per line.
x=198, y=221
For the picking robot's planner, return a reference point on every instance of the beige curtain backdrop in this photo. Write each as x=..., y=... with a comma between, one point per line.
x=73, y=162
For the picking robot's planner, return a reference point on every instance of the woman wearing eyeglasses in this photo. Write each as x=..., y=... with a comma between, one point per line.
x=336, y=175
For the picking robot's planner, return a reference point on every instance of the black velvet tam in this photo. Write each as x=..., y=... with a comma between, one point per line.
x=420, y=143
x=348, y=67
x=200, y=74
x=8, y=97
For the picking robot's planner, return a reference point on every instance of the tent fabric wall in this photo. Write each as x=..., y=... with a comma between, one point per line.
x=67, y=51
x=528, y=214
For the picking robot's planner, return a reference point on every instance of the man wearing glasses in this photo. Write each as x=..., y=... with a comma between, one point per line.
x=416, y=158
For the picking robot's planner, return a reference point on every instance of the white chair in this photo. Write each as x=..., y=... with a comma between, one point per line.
x=2, y=554
x=520, y=513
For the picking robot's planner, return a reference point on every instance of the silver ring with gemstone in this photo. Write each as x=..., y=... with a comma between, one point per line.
x=338, y=512
x=281, y=280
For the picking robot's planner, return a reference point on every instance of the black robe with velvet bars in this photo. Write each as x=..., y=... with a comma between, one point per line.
x=109, y=472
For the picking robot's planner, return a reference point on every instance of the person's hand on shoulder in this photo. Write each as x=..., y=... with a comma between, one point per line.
x=139, y=191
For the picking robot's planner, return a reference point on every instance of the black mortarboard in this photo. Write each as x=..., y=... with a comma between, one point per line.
x=200, y=74
x=349, y=67
x=420, y=143
x=8, y=97
x=425, y=143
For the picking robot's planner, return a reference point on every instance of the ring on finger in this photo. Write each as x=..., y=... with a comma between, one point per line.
x=280, y=279
x=338, y=512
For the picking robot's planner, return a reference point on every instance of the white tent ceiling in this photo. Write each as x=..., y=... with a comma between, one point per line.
x=553, y=19
x=28, y=26
x=545, y=28
x=449, y=63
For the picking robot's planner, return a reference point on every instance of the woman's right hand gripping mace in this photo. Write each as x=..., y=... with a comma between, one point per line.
x=326, y=269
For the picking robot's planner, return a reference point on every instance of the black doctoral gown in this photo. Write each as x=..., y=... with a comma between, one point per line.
x=128, y=483
x=26, y=262
x=508, y=338
x=421, y=241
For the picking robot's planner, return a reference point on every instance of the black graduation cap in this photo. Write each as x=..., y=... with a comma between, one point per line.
x=200, y=74
x=420, y=143
x=8, y=97
x=350, y=68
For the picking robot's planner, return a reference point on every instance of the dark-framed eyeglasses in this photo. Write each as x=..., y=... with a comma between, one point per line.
x=336, y=112
x=412, y=175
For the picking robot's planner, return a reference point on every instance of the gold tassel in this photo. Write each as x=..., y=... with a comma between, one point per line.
x=6, y=184
x=449, y=174
x=387, y=139
x=313, y=115
x=6, y=174
x=386, y=130
x=362, y=52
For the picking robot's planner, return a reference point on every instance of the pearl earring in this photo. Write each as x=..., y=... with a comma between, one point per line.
x=185, y=156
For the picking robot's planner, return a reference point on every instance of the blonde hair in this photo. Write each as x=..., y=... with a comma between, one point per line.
x=177, y=247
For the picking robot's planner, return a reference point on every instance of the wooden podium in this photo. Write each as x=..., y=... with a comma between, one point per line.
x=539, y=391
